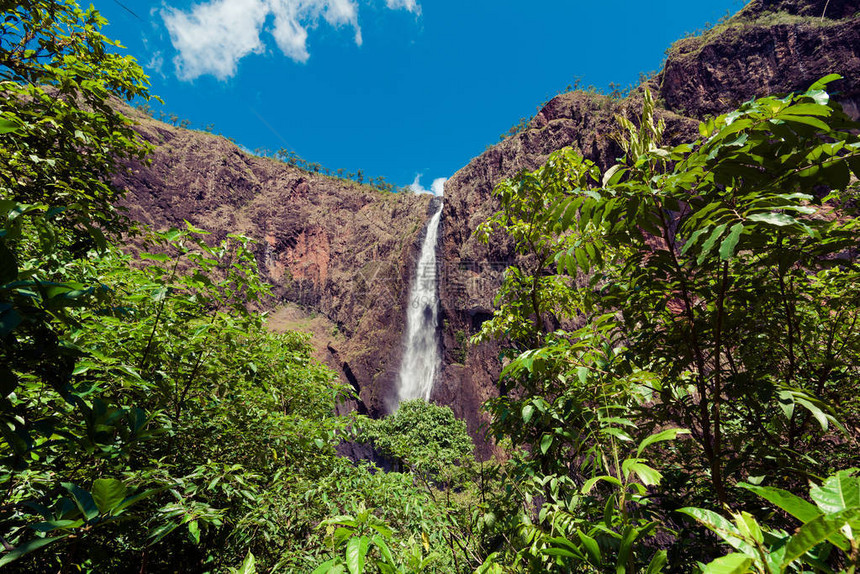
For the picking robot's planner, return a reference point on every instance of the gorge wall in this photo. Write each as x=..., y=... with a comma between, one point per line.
x=329, y=246
x=770, y=46
x=348, y=251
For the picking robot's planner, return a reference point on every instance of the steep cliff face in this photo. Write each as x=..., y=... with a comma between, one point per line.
x=472, y=271
x=348, y=252
x=332, y=246
x=769, y=47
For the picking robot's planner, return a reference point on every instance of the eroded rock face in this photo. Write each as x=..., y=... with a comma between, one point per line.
x=719, y=71
x=348, y=251
x=709, y=75
x=335, y=247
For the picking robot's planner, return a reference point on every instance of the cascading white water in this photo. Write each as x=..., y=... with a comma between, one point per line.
x=421, y=358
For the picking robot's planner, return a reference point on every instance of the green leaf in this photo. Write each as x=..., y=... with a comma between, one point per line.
x=613, y=174
x=158, y=533
x=83, y=500
x=617, y=433
x=786, y=403
x=733, y=563
x=193, y=229
x=822, y=83
x=731, y=128
x=490, y=566
x=7, y=126
x=383, y=549
x=545, y=443
x=528, y=411
x=816, y=531
x=325, y=567
x=647, y=475
x=694, y=238
x=591, y=547
x=773, y=218
x=28, y=547
x=107, y=493
x=380, y=527
x=194, y=531
x=51, y=525
x=249, y=565
x=749, y=527
x=625, y=549
x=837, y=175
x=710, y=241
x=809, y=110
x=815, y=411
x=794, y=505
x=589, y=484
x=727, y=247
x=155, y=256
x=839, y=492
x=133, y=499
x=356, y=550
x=806, y=120
x=668, y=434
x=657, y=563
x=582, y=374
x=718, y=524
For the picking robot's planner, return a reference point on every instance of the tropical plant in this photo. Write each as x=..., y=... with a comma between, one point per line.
x=830, y=525
x=421, y=436
x=710, y=285
x=357, y=537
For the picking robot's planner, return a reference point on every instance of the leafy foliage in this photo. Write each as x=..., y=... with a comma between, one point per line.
x=710, y=285
x=832, y=522
x=707, y=291
x=421, y=436
x=149, y=421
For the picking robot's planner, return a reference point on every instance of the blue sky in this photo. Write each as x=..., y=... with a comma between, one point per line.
x=398, y=88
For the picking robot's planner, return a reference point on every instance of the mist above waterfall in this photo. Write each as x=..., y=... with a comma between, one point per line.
x=421, y=359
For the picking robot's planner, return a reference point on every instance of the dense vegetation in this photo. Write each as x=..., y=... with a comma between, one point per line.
x=149, y=422
x=705, y=294
x=679, y=391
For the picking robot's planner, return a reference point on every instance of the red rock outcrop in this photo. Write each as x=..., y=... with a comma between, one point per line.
x=335, y=247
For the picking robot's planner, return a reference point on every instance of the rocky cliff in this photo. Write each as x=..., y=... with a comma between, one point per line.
x=329, y=246
x=343, y=254
x=770, y=46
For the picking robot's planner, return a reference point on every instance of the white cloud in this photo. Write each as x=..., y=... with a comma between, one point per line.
x=408, y=5
x=213, y=36
x=156, y=63
x=436, y=188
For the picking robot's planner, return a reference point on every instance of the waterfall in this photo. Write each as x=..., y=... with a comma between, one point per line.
x=421, y=358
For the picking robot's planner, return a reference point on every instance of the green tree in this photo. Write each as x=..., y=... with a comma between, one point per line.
x=420, y=436
x=712, y=285
x=61, y=137
x=116, y=373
